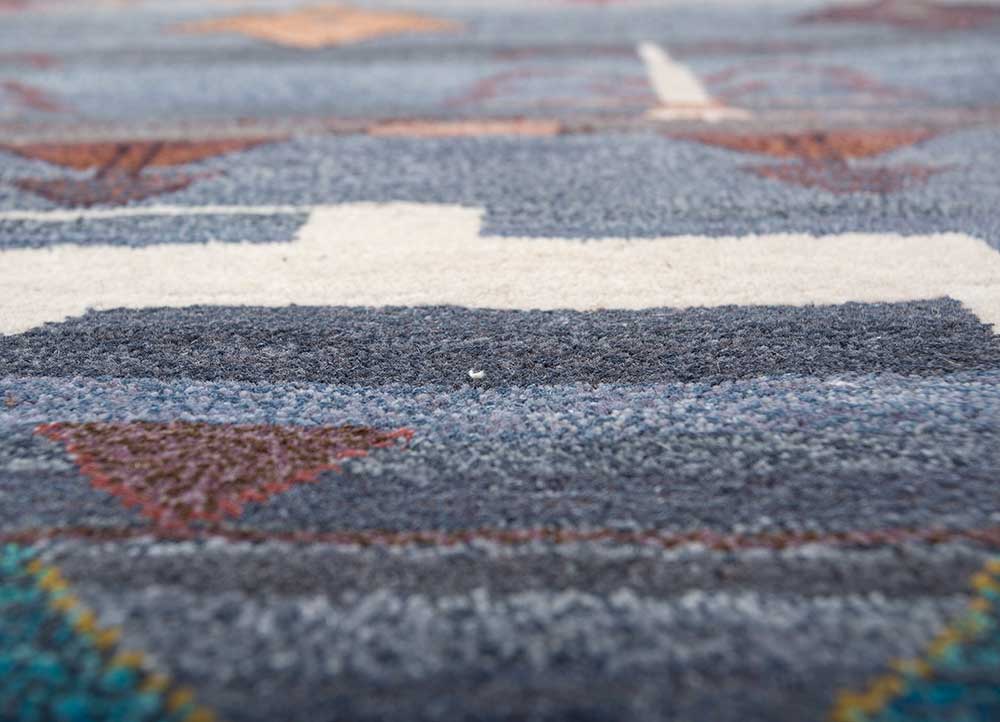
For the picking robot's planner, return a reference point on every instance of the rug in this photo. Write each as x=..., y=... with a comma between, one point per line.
x=508, y=361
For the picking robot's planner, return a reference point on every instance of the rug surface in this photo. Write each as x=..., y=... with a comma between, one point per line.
x=500, y=360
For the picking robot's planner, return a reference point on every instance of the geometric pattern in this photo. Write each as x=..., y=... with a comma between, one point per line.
x=823, y=158
x=57, y=663
x=955, y=680
x=131, y=156
x=839, y=177
x=120, y=168
x=106, y=188
x=915, y=14
x=668, y=335
x=840, y=144
x=322, y=25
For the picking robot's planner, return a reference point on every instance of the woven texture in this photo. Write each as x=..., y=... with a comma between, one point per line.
x=508, y=361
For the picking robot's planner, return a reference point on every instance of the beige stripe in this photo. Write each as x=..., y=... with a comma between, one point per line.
x=421, y=254
x=465, y=128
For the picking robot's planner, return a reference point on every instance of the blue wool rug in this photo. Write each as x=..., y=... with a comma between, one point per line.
x=511, y=361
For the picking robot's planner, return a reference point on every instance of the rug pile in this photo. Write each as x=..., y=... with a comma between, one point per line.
x=512, y=360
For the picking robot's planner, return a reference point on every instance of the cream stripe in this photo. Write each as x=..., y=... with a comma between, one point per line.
x=414, y=254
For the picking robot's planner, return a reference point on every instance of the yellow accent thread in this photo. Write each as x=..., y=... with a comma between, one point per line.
x=889, y=686
x=866, y=703
x=910, y=667
x=883, y=698
x=876, y=697
x=51, y=581
x=984, y=582
x=85, y=622
x=981, y=605
x=64, y=603
x=178, y=698
x=939, y=648
x=855, y=707
x=947, y=637
x=200, y=715
x=105, y=639
x=128, y=659
x=156, y=682
x=848, y=709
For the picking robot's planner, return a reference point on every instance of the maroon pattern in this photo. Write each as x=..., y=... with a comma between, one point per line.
x=919, y=14
x=30, y=97
x=839, y=177
x=814, y=145
x=110, y=189
x=183, y=472
x=120, y=169
x=824, y=157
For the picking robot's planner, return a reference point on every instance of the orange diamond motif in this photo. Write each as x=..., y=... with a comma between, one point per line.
x=322, y=26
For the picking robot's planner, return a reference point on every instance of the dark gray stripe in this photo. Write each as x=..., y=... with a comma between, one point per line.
x=343, y=572
x=151, y=229
x=438, y=345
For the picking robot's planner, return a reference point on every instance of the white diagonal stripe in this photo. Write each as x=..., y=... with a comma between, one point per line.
x=680, y=92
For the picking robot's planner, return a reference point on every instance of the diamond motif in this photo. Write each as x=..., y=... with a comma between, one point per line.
x=322, y=26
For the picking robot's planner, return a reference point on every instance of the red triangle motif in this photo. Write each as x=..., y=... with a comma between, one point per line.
x=130, y=156
x=121, y=168
x=914, y=14
x=184, y=472
x=823, y=159
x=814, y=145
x=839, y=177
x=117, y=189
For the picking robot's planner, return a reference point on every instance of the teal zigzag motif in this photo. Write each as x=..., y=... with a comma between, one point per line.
x=57, y=664
x=957, y=680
